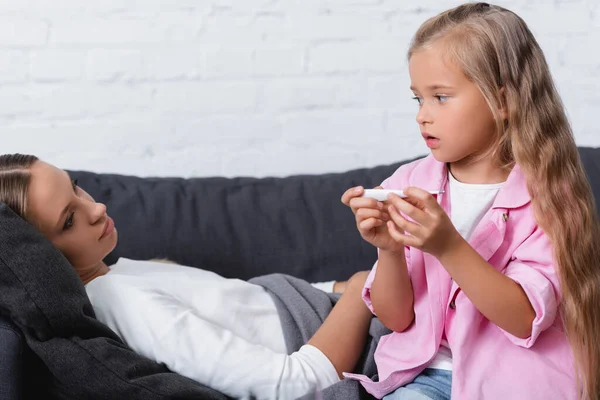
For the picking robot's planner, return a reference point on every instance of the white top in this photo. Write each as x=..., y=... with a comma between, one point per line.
x=224, y=333
x=470, y=202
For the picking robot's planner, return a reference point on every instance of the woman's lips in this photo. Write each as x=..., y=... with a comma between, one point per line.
x=109, y=227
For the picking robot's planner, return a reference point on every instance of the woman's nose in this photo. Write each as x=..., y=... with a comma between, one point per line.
x=98, y=211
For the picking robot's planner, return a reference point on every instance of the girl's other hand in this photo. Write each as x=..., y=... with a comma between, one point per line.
x=429, y=230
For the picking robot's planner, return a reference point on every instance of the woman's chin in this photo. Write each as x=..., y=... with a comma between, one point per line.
x=113, y=242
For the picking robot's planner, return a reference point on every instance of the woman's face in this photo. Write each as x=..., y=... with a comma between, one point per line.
x=68, y=216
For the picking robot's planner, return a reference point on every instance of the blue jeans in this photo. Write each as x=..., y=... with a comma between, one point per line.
x=432, y=384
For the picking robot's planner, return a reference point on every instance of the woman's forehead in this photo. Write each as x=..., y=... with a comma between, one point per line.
x=46, y=190
x=46, y=175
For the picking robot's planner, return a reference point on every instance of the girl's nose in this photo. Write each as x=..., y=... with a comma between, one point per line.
x=423, y=116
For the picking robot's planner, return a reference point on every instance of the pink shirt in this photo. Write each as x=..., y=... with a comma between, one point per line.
x=488, y=362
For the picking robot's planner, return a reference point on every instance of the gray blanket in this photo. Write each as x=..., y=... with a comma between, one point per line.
x=302, y=309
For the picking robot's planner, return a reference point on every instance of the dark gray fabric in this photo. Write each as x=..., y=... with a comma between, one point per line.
x=44, y=297
x=11, y=349
x=302, y=309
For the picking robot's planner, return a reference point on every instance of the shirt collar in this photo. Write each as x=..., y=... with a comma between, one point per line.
x=513, y=194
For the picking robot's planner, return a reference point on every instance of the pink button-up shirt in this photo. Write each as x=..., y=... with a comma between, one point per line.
x=488, y=362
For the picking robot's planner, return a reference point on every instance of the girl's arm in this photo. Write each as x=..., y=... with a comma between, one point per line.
x=499, y=298
x=521, y=300
x=391, y=292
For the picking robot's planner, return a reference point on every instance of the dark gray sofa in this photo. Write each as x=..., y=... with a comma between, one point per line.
x=242, y=227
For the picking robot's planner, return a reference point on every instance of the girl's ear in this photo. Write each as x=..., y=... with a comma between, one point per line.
x=503, y=110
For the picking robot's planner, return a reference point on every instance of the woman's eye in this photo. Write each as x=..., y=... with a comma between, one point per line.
x=442, y=99
x=69, y=221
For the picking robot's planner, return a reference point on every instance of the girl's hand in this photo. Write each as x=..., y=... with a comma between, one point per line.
x=430, y=229
x=371, y=217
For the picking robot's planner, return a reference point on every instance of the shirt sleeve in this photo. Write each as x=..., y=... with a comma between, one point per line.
x=366, y=292
x=533, y=268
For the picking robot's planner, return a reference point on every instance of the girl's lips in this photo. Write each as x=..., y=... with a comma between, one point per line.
x=432, y=142
x=109, y=227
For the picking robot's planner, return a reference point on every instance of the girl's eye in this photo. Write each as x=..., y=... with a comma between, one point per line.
x=69, y=222
x=441, y=99
x=419, y=100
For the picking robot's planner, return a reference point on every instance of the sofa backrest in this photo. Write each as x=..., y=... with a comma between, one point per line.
x=246, y=227
x=240, y=227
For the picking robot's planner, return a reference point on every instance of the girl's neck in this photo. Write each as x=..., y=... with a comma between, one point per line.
x=482, y=171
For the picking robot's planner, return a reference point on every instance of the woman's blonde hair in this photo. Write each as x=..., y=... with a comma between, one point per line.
x=495, y=49
x=15, y=177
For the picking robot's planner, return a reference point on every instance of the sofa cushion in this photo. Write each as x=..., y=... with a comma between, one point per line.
x=43, y=296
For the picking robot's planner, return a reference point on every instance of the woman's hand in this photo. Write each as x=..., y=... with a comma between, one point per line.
x=430, y=230
x=371, y=218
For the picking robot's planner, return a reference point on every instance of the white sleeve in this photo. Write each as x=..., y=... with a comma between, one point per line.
x=326, y=287
x=161, y=328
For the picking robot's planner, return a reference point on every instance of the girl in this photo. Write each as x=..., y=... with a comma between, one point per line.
x=224, y=333
x=486, y=285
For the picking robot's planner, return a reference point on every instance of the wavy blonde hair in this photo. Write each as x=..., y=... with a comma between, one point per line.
x=496, y=50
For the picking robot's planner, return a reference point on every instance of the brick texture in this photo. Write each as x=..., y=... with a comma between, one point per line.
x=243, y=88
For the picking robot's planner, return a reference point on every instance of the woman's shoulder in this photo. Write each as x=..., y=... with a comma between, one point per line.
x=127, y=267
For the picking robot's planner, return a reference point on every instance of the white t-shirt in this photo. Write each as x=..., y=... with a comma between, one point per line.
x=470, y=202
x=224, y=333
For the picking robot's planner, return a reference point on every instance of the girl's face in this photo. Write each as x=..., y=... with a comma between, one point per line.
x=68, y=216
x=455, y=120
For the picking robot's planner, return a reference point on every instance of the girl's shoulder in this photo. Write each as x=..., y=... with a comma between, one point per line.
x=415, y=173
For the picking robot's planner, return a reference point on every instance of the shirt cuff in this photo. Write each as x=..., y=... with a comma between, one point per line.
x=541, y=295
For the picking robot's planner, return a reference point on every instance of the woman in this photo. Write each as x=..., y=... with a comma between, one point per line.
x=224, y=333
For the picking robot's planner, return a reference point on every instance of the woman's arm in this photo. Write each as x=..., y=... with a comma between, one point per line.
x=344, y=332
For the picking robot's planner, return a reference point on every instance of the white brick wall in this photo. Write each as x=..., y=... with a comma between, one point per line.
x=243, y=87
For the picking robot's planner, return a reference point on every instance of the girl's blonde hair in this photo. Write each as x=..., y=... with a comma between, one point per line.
x=495, y=49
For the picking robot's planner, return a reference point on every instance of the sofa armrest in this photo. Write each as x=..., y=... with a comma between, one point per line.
x=11, y=352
